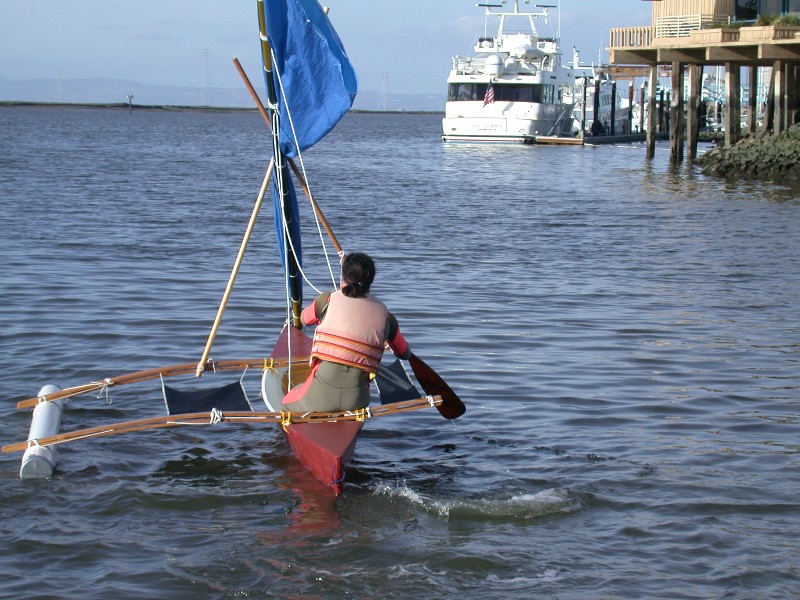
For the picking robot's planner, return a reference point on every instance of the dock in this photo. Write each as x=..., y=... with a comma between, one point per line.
x=687, y=36
x=559, y=140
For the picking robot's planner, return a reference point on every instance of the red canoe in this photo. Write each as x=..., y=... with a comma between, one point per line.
x=325, y=449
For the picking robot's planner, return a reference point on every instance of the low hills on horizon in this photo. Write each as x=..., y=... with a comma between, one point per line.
x=106, y=91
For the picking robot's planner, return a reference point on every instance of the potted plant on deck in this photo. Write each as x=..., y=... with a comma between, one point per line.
x=771, y=27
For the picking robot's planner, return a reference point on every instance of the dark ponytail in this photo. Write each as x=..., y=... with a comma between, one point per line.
x=358, y=271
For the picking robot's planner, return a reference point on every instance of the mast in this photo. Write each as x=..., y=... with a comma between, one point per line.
x=281, y=175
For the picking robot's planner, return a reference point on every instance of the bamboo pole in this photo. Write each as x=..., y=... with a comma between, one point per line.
x=213, y=417
x=168, y=371
x=301, y=180
x=235, y=271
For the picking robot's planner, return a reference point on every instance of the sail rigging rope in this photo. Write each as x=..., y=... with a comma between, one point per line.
x=308, y=185
x=286, y=236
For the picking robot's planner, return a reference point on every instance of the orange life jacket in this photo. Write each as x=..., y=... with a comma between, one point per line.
x=352, y=332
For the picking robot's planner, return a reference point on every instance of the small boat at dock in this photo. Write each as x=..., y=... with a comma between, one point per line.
x=599, y=106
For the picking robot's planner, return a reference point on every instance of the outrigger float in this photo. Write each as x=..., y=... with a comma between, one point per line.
x=310, y=86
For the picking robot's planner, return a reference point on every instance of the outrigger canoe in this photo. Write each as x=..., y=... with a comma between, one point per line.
x=310, y=85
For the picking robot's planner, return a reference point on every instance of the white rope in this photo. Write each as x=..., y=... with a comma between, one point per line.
x=216, y=416
x=107, y=382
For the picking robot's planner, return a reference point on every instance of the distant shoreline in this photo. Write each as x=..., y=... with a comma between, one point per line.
x=178, y=108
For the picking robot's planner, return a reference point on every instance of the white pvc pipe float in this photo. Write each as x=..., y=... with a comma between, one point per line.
x=38, y=462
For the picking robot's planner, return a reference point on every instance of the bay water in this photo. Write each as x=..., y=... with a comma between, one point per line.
x=624, y=334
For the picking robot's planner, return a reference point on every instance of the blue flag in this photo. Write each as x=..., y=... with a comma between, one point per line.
x=316, y=76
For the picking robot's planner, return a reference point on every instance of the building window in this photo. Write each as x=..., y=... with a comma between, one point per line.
x=750, y=10
x=509, y=92
x=746, y=10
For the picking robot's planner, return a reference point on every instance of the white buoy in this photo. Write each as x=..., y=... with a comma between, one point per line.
x=38, y=462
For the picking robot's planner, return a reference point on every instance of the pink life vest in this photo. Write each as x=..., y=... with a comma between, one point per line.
x=352, y=332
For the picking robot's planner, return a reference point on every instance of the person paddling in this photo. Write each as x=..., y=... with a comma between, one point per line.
x=352, y=329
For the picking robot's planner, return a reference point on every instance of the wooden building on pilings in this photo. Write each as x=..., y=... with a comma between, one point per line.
x=688, y=35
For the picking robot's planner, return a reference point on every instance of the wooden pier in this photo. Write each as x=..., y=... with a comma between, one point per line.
x=683, y=44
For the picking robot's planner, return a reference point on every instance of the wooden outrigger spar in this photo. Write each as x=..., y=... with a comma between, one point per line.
x=138, y=376
x=214, y=416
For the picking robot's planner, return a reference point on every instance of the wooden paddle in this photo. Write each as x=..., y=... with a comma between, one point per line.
x=210, y=418
x=451, y=407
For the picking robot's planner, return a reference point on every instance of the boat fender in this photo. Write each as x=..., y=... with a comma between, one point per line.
x=38, y=462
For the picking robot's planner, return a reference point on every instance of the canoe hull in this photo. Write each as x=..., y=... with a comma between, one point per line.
x=324, y=449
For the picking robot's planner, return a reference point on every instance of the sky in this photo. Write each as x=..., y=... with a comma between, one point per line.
x=396, y=46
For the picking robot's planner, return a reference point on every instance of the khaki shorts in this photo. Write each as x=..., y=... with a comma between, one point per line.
x=334, y=388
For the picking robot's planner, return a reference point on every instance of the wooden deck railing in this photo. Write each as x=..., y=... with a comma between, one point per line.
x=665, y=27
x=632, y=37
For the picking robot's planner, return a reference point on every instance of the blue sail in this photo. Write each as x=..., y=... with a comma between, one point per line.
x=311, y=85
x=292, y=219
x=316, y=76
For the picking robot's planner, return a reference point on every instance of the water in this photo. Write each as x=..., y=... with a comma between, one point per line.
x=625, y=338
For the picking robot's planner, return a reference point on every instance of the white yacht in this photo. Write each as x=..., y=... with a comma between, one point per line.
x=514, y=87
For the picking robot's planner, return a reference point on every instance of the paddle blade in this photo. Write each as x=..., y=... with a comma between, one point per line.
x=451, y=407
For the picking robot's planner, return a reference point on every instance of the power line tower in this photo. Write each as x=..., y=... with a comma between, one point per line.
x=383, y=91
x=205, y=77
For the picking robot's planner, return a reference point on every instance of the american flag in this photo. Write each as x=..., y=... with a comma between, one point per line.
x=489, y=97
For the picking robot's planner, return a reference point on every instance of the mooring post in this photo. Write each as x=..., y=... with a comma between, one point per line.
x=792, y=95
x=733, y=112
x=631, y=92
x=693, y=110
x=651, y=112
x=752, y=99
x=676, y=115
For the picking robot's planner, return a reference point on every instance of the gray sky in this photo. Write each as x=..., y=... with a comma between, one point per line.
x=407, y=44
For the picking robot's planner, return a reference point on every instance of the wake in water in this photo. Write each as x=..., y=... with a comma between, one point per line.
x=552, y=501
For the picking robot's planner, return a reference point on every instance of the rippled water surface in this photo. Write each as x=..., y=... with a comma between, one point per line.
x=625, y=338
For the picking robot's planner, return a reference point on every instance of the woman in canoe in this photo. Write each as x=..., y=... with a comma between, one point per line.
x=352, y=328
